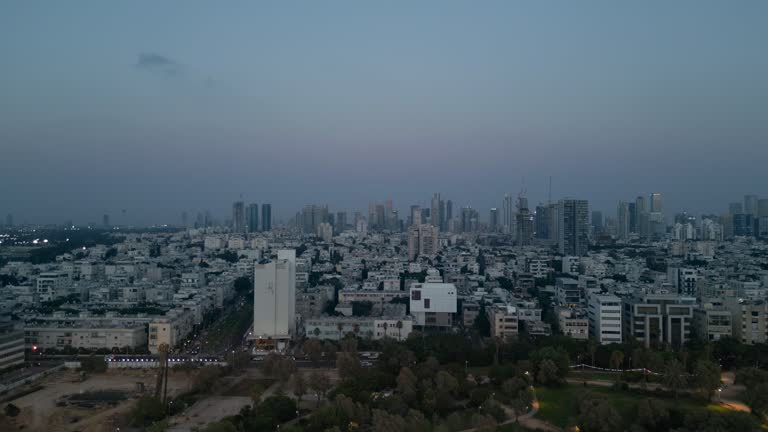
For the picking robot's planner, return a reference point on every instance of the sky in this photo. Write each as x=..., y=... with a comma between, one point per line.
x=162, y=107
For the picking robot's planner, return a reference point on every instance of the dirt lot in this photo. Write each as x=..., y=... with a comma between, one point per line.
x=39, y=412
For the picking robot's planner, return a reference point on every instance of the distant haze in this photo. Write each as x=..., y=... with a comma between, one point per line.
x=164, y=107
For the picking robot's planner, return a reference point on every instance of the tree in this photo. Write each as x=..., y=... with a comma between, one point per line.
x=557, y=364
x=348, y=364
x=349, y=343
x=674, y=376
x=707, y=377
x=320, y=383
x=598, y=415
x=278, y=366
x=617, y=359
x=446, y=383
x=652, y=415
x=482, y=323
x=406, y=384
x=547, y=373
x=592, y=349
x=299, y=387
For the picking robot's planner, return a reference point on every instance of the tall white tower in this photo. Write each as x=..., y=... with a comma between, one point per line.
x=274, y=297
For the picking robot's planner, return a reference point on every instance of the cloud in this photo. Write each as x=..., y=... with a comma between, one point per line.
x=159, y=64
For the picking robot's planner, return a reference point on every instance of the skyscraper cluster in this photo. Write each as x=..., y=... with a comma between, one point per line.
x=247, y=219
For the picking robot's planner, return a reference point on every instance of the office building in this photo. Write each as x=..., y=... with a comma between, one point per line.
x=341, y=221
x=325, y=232
x=105, y=221
x=597, y=222
x=656, y=203
x=762, y=208
x=735, y=208
x=252, y=216
x=524, y=221
x=274, y=314
x=435, y=213
x=238, y=217
x=423, y=241
x=604, y=314
x=573, y=228
x=312, y=216
x=493, y=219
x=508, y=215
x=415, y=217
x=659, y=319
x=712, y=322
x=750, y=205
x=266, y=217
x=743, y=225
x=433, y=305
x=469, y=220
x=622, y=219
x=541, y=223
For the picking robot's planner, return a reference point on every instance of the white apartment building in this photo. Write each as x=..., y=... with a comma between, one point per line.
x=504, y=321
x=433, y=304
x=90, y=336
x=274, y=311
x=604, y=314
x=52, y=285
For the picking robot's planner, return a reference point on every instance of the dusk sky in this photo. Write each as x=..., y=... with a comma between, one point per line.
x=161, y=107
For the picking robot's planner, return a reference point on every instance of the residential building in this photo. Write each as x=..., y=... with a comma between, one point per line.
x=604, y=313
x=433, y=305
x=274, y=313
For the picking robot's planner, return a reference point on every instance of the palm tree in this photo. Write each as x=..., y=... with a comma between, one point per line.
x=386, y=326
x=316, y=331
x=674, y=376
x=399, y=330
x=340, y=328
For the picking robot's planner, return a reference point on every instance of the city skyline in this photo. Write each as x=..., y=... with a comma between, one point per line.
x=347, y=103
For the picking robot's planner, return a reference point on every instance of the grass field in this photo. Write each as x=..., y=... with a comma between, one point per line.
x=559, y=406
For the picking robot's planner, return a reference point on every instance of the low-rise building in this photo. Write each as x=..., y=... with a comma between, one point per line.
x=504, y=321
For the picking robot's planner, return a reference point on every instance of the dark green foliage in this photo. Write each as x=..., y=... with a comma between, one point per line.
x=243, y=284
x=482, y=324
